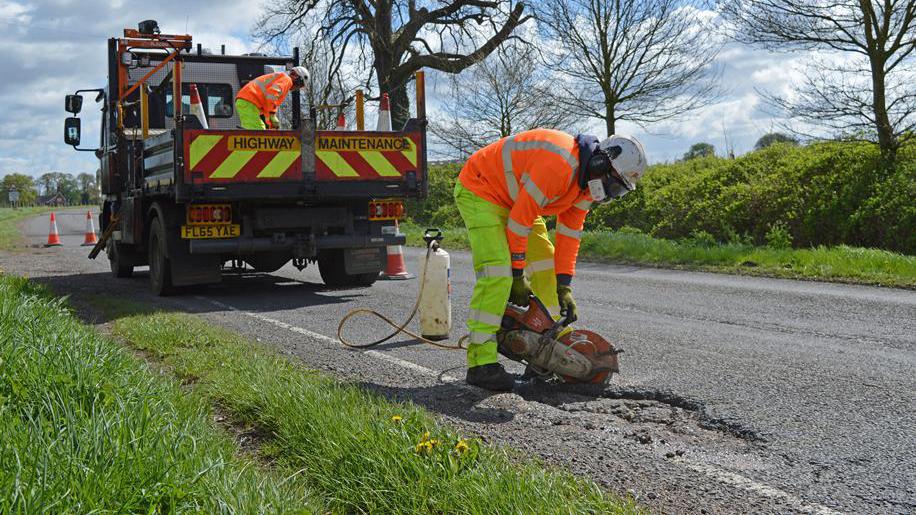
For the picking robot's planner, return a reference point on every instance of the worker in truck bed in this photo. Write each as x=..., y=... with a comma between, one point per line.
x=502, y=193
x=258, y=101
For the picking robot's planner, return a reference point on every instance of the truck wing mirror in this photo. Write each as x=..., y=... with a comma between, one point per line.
x=73, y=103
x=72, y=131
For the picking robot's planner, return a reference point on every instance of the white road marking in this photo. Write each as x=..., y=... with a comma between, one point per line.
x=412, y=366
x=721, y=475
x=273, y=321
x=327, y=339
x=745, y=483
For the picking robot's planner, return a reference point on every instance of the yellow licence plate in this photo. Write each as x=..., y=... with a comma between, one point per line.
x=190, y=232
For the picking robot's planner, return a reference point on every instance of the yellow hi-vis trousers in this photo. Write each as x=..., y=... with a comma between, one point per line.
x=486, y=224
x=249, y=115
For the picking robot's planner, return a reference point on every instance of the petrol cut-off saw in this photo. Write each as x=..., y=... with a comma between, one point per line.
x=531, y=336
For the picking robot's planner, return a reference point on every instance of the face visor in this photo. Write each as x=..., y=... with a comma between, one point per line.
x=607, y=188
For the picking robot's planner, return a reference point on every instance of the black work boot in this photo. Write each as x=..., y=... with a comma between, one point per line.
x=491, y=377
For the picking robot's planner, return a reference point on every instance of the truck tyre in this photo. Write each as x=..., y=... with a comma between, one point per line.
x=121, y=266
x=160, y=269
x=334, y=274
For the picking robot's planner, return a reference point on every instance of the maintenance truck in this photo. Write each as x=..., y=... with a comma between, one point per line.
x=186, y=200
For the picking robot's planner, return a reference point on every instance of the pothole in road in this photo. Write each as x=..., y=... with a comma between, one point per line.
x=642, y=414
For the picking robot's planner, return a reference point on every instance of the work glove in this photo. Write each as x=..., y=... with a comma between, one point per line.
x=567, y=304
x=521, y=291
x=274, y=122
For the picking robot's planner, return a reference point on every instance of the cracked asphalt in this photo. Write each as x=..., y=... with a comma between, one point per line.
x=736, y=394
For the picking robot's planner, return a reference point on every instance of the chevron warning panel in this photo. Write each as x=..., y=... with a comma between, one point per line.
x=243, y=156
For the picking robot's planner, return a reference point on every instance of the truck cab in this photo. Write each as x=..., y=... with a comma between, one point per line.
x=185, y=195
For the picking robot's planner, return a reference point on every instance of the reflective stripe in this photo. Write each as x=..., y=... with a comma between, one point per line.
x=518, y=228
x=511, y=183
x=479, y=337
x=268, y=80
x=584, y=205
x=495, y=271
x=566, y=231
x=539, y=266
x=485, y=318
x=550, y=147
x=533, y=190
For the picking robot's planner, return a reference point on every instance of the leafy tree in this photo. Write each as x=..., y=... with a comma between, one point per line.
x=69, y=187
x=774, y=137
x=699, y=150
x=24, y=184
x=395, y=38
x=88, y=188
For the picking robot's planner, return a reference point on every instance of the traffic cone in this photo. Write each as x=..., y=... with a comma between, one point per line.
x=341, y=122
x=197, y=109
x=384, y=114
x=53, y=235
x=90, y=239
x=395, y=268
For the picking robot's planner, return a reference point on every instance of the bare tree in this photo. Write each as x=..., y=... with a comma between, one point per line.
x=868, y=90
x=506, y=93
x=642, y=61
x=397, y=38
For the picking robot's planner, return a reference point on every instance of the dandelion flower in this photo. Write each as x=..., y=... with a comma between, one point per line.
x=462, y=446
x=396, y=419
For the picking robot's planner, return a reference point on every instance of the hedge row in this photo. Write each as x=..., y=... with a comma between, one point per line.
x=822, y=194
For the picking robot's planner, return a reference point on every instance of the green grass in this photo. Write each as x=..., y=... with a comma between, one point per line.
x=356, y=450
x=841, y=263
x=88, y=428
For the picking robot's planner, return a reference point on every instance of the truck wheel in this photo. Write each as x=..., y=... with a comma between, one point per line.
x=334, y=274
x=160, y=270
x=120, y=265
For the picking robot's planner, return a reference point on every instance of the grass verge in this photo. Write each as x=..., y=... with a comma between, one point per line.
x=88, y=428
x=356, y=450
x=839, y=264
x=9, y=233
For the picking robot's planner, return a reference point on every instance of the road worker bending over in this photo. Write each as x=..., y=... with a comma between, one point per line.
x=503, y=193
x=258, y=101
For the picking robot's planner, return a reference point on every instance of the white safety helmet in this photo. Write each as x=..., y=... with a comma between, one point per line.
x=627, y=157
x=300, y=72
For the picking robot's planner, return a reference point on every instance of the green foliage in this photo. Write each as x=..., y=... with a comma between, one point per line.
x=826, y=194
x=439, y=207
x=89, y=429
x=24, y=184
x=699, y=150
x=773, y=138
x=778, y=236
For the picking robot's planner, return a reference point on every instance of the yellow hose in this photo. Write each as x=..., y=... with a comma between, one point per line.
x=398, y=329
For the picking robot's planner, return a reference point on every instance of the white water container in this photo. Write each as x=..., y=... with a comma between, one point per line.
x=436, y=305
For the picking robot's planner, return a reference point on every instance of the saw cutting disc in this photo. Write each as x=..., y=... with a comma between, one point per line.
x=598, y=350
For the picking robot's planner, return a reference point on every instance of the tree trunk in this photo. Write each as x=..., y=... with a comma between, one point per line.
x=400, y=102
x=610, y=117
x=400, y=107
x=886, y=139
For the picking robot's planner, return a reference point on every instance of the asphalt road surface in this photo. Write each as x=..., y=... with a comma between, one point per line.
x=736, y=394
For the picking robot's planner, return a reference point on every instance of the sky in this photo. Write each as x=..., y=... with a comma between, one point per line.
x=53, y=47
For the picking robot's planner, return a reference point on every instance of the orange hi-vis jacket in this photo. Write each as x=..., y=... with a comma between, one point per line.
x=267, y=92
x=533, y=174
